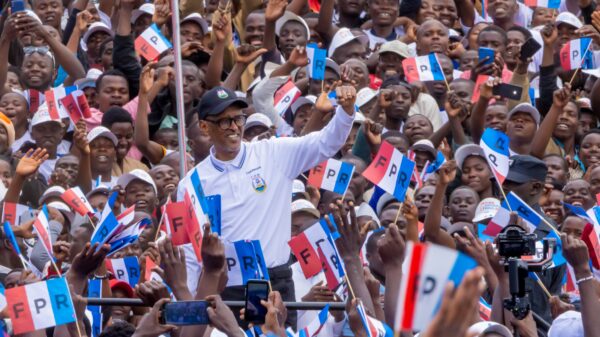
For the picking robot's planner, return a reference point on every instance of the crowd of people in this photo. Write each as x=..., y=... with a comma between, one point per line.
x=257, y=119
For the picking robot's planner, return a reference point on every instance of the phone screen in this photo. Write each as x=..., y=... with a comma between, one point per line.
x=185, y=313
x=529, y=48
x=17, y=6
x=486, y=52
x=256, y=290
x=508, y=91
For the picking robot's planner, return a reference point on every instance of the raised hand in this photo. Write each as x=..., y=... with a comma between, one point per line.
x=11, y=26
x=391, y=246
x=350, y=241
x=354, y=319
x=323, y=104
x=151, y=292
x=221, y=317
x=80, y=137
x=386, y=98
x=147, y=78
x=31, y=161
x=162, y=12
x=319, y=293
x=549, y=35
x=84, y=20
x=474, y=247
x=247, y=53
x=213, y=251
x=372, y=131
x=173, y=263
x=562, y=96
x=346, y=97
x=275, y=9
x=221, y=27
x=276, y=314
x=149, y=325
x=453, y=105
x=61, y=250
x=89, y=259
x=576, y=253
x=596, y=20
x=25, y=230
x=447, y=172
x=486, y=89
x=298, y=57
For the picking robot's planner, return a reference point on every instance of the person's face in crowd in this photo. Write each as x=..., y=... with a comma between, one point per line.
x=542, y=16
x=417, y=127
x=493, y=40
x=468, y=60
x=496, y=117
x=595, y=181
x=103, y=154
x=388, y=215
x=37, y=71
x=573, y=226
x=90, y=95
x=389, y=62
x=142, y=195
x=12, y=280
x=120, y=312
x=514, y=41
x=124, y=133
x=567, y=123
x=521, y=127
x=200, y=142
x=14, y=106
x=358, y=183
x=251, y=132
x=70, y=165
x=330, y=78
x=360, y=73
x=577, y=192
x=463, y=202
x=464, y=91
x=112, y=91
x=399, y=143
x=192, y=84
x=94, y=42
x=191, y=32
x=422, y=200
x=48, y=135
x=351, y=7
x=446, y=12
x=557, y=170
x=141, y=24
x=81, y=236
x=255, y=29
x=12, y=81
x=566, y=33
x=383, y=12
x=476, y=174
x=376, y=265
x=351, y=50
x=49, y=11
x=438, y=89
x=301, y=117
x=3, y=139
x=211, y=5
x=530, y=191
x=166, y=180
x=226, y=142
x=474, y=35
x=98, y=200
x=106, y=56
x=421, y=158
x=301, y=221
x=292, y=34
x=432, y=37
x=368, y=106
x=148, y=233
x=172, y=159
x=589, y=151
x=586, y=122
x=167, y=138
x=6, y=173
x=347, y=147
x=553, y=207
x=502, y=10
x=425, y=12
x=401, y=103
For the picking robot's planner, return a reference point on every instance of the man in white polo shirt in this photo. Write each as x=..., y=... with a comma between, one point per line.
x=255, y=179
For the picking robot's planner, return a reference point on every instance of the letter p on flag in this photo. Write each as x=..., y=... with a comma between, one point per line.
x=151, y=43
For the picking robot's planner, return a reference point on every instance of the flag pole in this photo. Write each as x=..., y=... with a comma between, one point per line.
x=580, y=63
x=179, y=87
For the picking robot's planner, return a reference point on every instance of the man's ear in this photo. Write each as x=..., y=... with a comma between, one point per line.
x=203, y=126
x=536, y=188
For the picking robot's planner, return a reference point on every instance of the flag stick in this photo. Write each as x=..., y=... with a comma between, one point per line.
x=503, y=195
x=179, y=87
x=162, y=217
x=541, y=284
x=350, y=287
x=91, y=221
x=398, y=213
x=77, y=326
x=580, y=64
x=55, y=266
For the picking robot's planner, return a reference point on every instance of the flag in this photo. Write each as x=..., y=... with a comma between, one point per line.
x=2, y=297
x=245, y=261
x=34, y=99
x=558, y=258
x=53, y=97
x=391, y=171
x=75, y=198
x=107, y=224
x=254, y=331
x=305, y=247
x=481, y=79
x=11, y=212
x=151, y=43
x=578, y=211
x=575, y=54
x=176, y=216
x=42, y=227
x=429, y=268
x=423, y=68
x=591, y=239
x=314, y=5
x=543, y=3
x=193, y=185
x=498, y=222
x=373, y=327
x=125, y=269
x=76, y=105
x=214, y=212
x=570, y=282
x=127, y=236
x=192, y=226
x=332, y=265
x=485, y=309
x=11, y=237
x=150, y=275
x=316, y=324
x=598, y=199
x=332, y=175
x=95, y=291
x=285, y=96
x=495, y=146
x=40, y=305
x=531, y=218
x=316, y=61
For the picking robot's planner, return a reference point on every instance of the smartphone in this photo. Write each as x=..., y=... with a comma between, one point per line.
x=185, y=313
x=486, y=52
x=529, y=48
x=508, y=91
x=17, y=6
x=256, y=291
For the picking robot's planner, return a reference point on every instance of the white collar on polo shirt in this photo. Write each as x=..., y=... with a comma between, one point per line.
x=236, y=162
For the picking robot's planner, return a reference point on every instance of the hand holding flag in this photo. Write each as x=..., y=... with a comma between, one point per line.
x=391, y=171
x=495, y=146
x=332, y=175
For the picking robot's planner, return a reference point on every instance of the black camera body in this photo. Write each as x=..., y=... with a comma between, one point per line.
x=514, y=242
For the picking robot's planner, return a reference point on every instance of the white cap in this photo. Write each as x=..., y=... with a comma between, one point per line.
x=258, y=118
x=94, y=28
x=136, y=174
x=344, y=36
x=197, y=18
x=399, y=48
x=146, y=8
x=89, y=81
x=568, y=18
x=466, y=151
x=52, y=191
x=289, y=16
x=528, y=108
x=568, y=324
x=61, y=206
x=424, y=145
x=594, y=72
x=303, y=205
x=301, y=101
x=364, y=95
x=366, y=210
x=359, y=118
x=483, y=328
x=42, y=115
x=486, y=209
x=101, y=131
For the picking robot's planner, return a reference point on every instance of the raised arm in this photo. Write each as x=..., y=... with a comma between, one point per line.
x=9, y=33
x=547, y=71
x=84, y=175
x=433, y=232
x=275, y=9
x=478, y=115
x=466, y=12
x=391, y=251
x=221, y=30
x=27, y=166
x=325, y=26
x=560, y=99
x=124, y=55
x=244, y=55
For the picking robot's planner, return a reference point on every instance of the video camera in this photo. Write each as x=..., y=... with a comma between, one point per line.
x=514, y=243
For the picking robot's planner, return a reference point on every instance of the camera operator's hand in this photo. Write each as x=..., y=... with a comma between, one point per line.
x=525, y=327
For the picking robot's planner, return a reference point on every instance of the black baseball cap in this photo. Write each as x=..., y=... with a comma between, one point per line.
x=524, y=168
x=217, y=100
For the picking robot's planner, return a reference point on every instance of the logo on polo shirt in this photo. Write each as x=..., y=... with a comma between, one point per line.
x=222, y=94
x=258, y=183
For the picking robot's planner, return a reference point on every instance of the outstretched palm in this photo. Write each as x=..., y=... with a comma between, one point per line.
x=31, y=161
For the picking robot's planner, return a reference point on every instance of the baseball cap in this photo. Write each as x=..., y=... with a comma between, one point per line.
x=568, y=18
x=197, y=18
x=51, y=192
x=42, y=115
x=329, y=63
x=486, y=209
x=216, y=100
x=89, y=81
x=568, y=324
x=122, y=285
x=399, y=48
x=424, y=145
x=364, y=95
x=299, y=188
x=528, y=108
x=146, y=8
x=303, y=205
x=344, y=36
x=525, y=168
x=465, y=151
x=366, y=210
x=101, y=131
x=94, y=28
x=258, y=119
x=289, y=16
x=98, y=189
x=136, y=174
x=302, y=101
